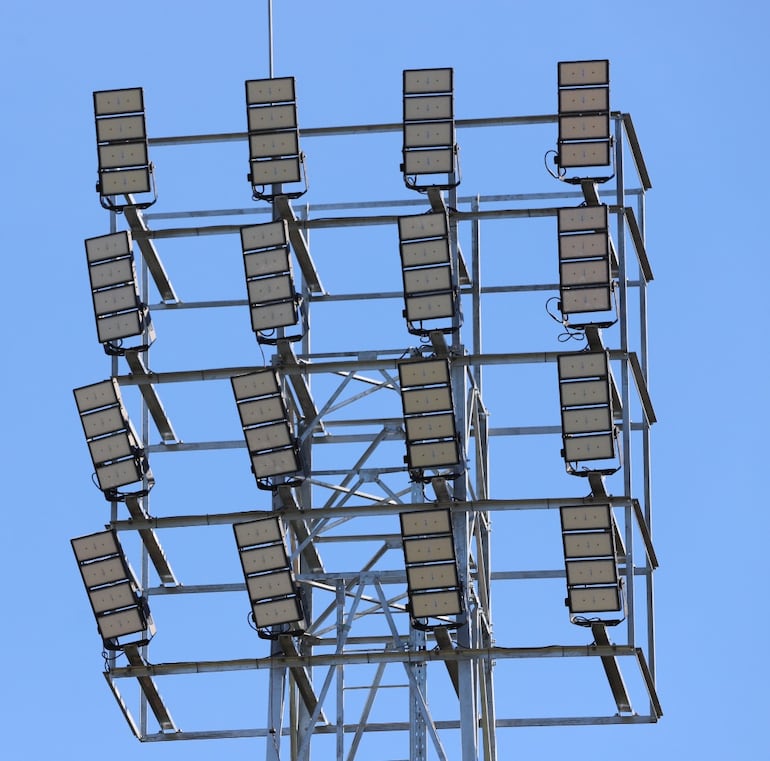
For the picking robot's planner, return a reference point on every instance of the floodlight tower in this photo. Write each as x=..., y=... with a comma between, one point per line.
x=356, y=485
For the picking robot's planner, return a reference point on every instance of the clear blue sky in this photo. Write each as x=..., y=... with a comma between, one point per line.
x=694, y=77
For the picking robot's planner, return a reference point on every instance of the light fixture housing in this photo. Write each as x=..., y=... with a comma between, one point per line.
x=270, y=583
x=118, y=309
x=585, y=276
x=118, y=457
x=122, y=148
x=584, y=117
x=433, y=585
x=432, y=442
x=272, y=448
x=273, y=300
x=590, y=558
x=113, y=591
x=588, y=430
x=430, y=290
x=275, y=158
x=429, y=154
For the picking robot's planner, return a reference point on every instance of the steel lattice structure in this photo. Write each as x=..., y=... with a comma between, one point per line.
x=331, y=690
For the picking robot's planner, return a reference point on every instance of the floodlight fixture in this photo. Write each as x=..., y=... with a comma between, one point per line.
x=117, y=455
x=430, y=153
x=275, y=158
x=275, y=600
x=273, y=301
x=433, y=585
x=588, y=429
x=586, y=286
x=590, y=558
x=118, y=309
x=272, y=447
x=430, y=291
x=113, y=591
x=122, y=148
x=584, y=118
x=432, y=441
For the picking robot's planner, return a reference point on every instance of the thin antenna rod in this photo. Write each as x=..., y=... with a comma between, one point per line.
x=270, y=35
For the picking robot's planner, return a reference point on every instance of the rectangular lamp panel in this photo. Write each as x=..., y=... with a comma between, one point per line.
x=584, y=154
x=582, y=364
x=278, y=463
x=112, y=272
x=108, y=246
x=265, y=144
x=592, y=572
x=123, y=181
x=586, y=420
x=430, y=427
x=580, y=73
x=263, y=531
x=582, y=393
x=591, y=272
x=121, y=128
x=427, y=108
x=270, y=262
x=429, y=161
x=116, y=155
x=260, y=383
x=582, y=517
x=113, y=597
x=268, y=235
x=428, y=134
x=577, y=300
x=126, y=101
x=118, y=299
x=584, y=99
x=280, y=314
x=588, y=544
x=430, y=604
x=112, y=447
x=277, y=612
x=269, y=585
x=584, y=246
x=113, y=625
x=425, y=252
x=266, y=289
x=429, y=550
x=276, y=90
x=272, y=118
x=97, y=395
x=591, y=127
x=417, y=226
x=594, y=599
x=435, y=576
x=106, y=571
x=427, y=279
x=439, y=454
x=103, y=422
x=424, y=372
x=268, y=558
x=117, y=474
x=97, y=545
x=272, y=171
x=424, y=400
x=435, y=307
x=435, y=521
x=579, y=218
x=592, y=447
x=418, y=81
x=271, y=436
x=260, y=411
x=119, y=326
